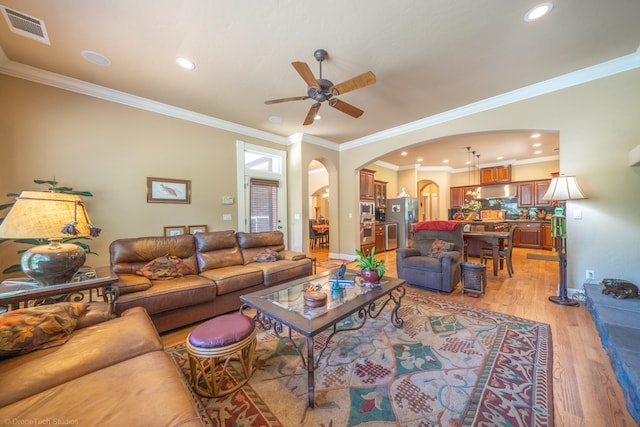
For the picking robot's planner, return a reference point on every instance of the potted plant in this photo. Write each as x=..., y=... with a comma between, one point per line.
x=371, y=269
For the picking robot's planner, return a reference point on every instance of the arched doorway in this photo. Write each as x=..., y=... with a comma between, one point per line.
x=429, y=200
x=319, y=212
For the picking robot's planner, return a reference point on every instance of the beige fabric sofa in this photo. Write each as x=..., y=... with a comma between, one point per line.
x=224, y=269
x=109, y=373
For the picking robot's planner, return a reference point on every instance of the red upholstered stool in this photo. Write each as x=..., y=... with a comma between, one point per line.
x=213, y=345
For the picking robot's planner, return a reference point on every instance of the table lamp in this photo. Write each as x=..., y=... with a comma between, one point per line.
x=52, y=216
x=562, y=188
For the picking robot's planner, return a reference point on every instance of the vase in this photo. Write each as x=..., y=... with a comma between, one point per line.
x=370, y=277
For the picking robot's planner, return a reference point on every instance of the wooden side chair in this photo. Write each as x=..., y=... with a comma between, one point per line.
x=504, y=254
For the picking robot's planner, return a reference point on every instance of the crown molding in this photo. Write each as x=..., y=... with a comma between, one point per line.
x=599, y=71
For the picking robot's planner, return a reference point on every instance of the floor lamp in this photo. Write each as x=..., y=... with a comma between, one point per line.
x=562, y=188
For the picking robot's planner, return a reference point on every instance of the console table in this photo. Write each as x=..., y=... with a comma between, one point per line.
x=20, y=293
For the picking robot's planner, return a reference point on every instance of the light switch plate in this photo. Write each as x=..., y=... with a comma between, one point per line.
x=577, y=214
x=227, y=217
x=227, y=200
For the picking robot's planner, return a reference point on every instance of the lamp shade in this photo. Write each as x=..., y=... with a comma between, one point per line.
x=564, y=188
x=44, y=215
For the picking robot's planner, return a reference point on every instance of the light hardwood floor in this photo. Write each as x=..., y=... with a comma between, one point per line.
x=586, y=392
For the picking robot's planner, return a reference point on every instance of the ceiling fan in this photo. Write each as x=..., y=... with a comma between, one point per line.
x=322, y=90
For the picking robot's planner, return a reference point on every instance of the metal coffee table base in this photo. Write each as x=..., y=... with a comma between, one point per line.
x=310, y=361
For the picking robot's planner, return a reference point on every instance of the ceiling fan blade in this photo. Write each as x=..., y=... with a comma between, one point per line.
x=346, y=108
x=357, y=82
x=305, y=72
x=293, y=98
x=311, y=115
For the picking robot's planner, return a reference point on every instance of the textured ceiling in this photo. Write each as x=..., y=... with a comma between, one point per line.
x=429, y=56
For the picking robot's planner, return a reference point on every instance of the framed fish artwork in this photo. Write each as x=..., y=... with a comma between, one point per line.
x=162, y=190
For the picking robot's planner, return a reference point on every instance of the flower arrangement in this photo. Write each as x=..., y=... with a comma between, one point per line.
x=473, y=205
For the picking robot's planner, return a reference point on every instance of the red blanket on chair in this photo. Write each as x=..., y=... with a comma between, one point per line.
x=436, y=225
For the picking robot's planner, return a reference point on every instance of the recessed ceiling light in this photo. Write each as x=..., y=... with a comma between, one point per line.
x=499, y=158
x=538, y=11
x=420, y=159
x=404, y=153
x=96, y=58
x=537, y=152
x=445, y=161
x=185, y=63
x=275, y=119
x=537, y=144
x=535, y=135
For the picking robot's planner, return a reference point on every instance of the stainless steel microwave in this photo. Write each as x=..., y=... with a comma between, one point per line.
x=367, y=208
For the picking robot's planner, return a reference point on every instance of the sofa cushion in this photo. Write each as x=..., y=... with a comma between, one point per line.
x=284, y=270
x=217, y=249
x=88, y=350
x=166, y=267
x=235, y=277
x=167, y=295
x=128, y=283
x=33, y=328
x=146, y=390
x=131, y=255
x=252, y=244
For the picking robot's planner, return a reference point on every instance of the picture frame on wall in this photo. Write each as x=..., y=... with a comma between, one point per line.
x=164, y=190
x=175, y=230
x=193, y=229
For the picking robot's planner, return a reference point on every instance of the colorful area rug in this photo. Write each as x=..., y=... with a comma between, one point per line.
x=450, y=365
x=332, y=263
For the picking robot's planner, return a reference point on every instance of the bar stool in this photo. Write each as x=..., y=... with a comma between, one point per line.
x=213, y=345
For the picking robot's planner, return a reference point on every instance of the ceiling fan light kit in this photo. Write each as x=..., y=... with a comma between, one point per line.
x=321, y=90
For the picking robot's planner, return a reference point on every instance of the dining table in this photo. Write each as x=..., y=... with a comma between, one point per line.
x=496, y=238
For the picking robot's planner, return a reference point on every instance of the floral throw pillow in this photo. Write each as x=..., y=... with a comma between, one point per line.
x=33, y=328
x=268, y=255
x=438, y=247
x=165, y=268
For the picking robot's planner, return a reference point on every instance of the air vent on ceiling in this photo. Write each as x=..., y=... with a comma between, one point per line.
x=25, y=25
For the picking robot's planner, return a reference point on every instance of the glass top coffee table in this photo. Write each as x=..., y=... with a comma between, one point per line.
x=283, y=309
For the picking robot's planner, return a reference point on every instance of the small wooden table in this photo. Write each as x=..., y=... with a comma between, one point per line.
x=496, y=238
x=21, y=293
x=283, y=305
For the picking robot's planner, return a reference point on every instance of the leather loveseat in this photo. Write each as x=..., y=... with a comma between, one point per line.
x=222, y=267
x=108, y=373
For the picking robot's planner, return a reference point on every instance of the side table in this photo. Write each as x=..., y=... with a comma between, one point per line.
x=21, y=293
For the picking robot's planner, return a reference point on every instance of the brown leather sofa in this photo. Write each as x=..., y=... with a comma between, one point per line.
x=109, y=373
x=224, y=269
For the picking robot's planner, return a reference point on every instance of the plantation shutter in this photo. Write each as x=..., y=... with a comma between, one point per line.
x=264, y=205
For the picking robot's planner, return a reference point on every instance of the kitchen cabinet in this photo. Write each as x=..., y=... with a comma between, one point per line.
x=458, y=196
x=547, y=240
x=366, y=248
x=495, y=174
x=528, y=235
x=381, y=238
x=530, y=193
x=366, y=184
x=380, y=191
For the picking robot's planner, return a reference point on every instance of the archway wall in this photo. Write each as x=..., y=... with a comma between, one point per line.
x=598, y=128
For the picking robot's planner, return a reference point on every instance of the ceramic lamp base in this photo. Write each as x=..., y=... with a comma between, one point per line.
x=54, y=263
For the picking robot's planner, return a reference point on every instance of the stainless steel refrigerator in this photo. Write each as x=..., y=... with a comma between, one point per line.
x=404, y=212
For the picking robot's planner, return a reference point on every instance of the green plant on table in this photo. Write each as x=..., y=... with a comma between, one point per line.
x=53, y=188
x=369, y=262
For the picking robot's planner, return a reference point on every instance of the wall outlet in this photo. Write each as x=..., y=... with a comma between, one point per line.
x=590, y=275
x=227, y=217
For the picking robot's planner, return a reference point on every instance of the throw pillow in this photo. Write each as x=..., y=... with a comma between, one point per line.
x=438, y=247
x=28, y=329
x=268, y=255
x=165, y=268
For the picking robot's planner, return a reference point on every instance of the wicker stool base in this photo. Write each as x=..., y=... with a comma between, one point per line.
x=474, y=277
x=209, y=366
